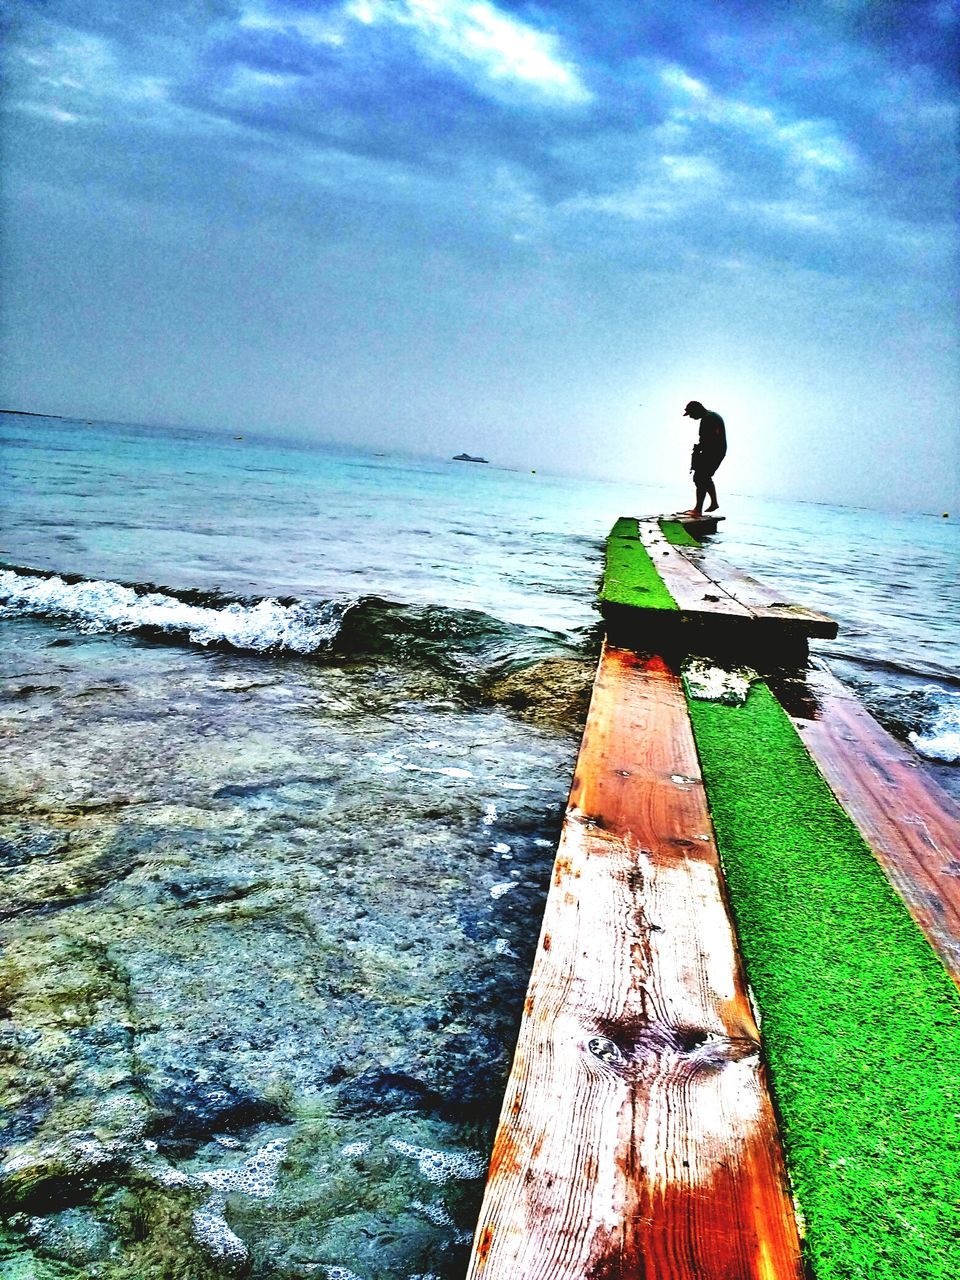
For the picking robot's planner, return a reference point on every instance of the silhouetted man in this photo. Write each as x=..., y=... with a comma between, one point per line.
x=708, y=453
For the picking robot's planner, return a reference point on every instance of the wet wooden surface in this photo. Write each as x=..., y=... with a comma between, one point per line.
x=704, y=585
x=693, y=591
x=908, y=820
x=637, y=1138
x=763, y=601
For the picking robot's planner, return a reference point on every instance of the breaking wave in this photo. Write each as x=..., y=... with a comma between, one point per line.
x=940, y=739
x=97, y=606
x=455, y=640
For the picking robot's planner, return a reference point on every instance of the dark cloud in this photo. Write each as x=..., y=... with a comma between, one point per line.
x=369, y=92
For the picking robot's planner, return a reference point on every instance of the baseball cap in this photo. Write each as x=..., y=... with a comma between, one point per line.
x=694, y=404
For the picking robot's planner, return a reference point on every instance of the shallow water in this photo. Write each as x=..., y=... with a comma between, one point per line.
x=255, y=901
x=289, y=734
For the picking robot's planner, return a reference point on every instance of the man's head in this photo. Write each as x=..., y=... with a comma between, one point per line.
x=694, y=410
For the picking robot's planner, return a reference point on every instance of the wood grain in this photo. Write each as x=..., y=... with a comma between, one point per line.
x=637, y=1137
x=908, y=820
x=693, y=591
x=764, y=602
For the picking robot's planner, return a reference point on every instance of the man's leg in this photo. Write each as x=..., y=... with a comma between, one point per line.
x=711, y=490
x=701, y=494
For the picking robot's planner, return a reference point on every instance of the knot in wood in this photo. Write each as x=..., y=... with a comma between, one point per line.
x=606, y=1051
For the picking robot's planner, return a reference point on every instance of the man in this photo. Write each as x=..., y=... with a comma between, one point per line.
x=708, y=453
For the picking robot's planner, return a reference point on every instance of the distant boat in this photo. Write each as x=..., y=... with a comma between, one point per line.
x=466, y=457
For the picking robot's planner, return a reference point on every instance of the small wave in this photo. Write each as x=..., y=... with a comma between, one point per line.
x=940, y=739
x=467, y=644
x=930, y=671
x=95, y=605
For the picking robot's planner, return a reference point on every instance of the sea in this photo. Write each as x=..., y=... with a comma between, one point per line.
x=288, y=733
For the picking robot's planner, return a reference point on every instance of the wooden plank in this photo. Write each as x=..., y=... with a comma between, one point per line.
x=709, y=619
x=908, y=820
x=746, y=588
x=698, y=526
x=693, y=591
x=764, y=602
x=637, y=1137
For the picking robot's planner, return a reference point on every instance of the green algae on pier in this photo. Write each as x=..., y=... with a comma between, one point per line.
x=860, y=1020
x=676, y=534
x=631, y=577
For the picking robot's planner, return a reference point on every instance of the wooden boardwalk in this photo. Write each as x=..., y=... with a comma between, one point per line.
x=637, y=1137
x=720, y=611
x=908, y=820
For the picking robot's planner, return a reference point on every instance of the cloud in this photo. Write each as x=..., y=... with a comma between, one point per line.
x=71, y=75
x=809, y=143
x=46, y=111
x=496, y=53
x=632, y=135
x=473, y=36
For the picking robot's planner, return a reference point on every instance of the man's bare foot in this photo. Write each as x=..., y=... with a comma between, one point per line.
x=692, y=512
x=715, y=507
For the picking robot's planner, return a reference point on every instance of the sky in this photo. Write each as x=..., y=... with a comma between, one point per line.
x=528, y=231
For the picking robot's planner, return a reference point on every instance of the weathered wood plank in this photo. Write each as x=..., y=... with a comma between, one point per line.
x=908, y=820
x=637, y=1138
x=764, y=602
x=693, y=591
x=698, y=526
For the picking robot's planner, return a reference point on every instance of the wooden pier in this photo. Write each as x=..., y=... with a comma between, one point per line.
x=638, y=1140
x=637, y=1136
x=722, y=613
x=909, y=822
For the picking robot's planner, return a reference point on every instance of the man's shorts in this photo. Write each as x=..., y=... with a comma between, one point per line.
x=706, y=466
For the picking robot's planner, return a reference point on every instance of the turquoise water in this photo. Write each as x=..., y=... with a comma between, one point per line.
x=252, y=517
x=290, y=732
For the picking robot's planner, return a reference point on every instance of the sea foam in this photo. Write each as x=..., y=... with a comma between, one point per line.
x=96, y=606
x=941, y=740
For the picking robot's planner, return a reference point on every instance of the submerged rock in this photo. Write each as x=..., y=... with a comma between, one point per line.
x=188, y=1112
x=554, y=692
x=55, y=1176
x=284, y=933
x=386, y=1091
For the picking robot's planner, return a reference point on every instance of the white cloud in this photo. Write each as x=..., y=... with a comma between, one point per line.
x=48, y=112
x=83, y=70
x=677, y=78
x=788, y=213
x=689, y=168
x=247, y=80
x=311, y=27
x=647, y=202
x=473, y=35
x=810, y=144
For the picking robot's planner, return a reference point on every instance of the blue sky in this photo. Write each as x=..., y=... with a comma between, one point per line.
x=528, y=230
